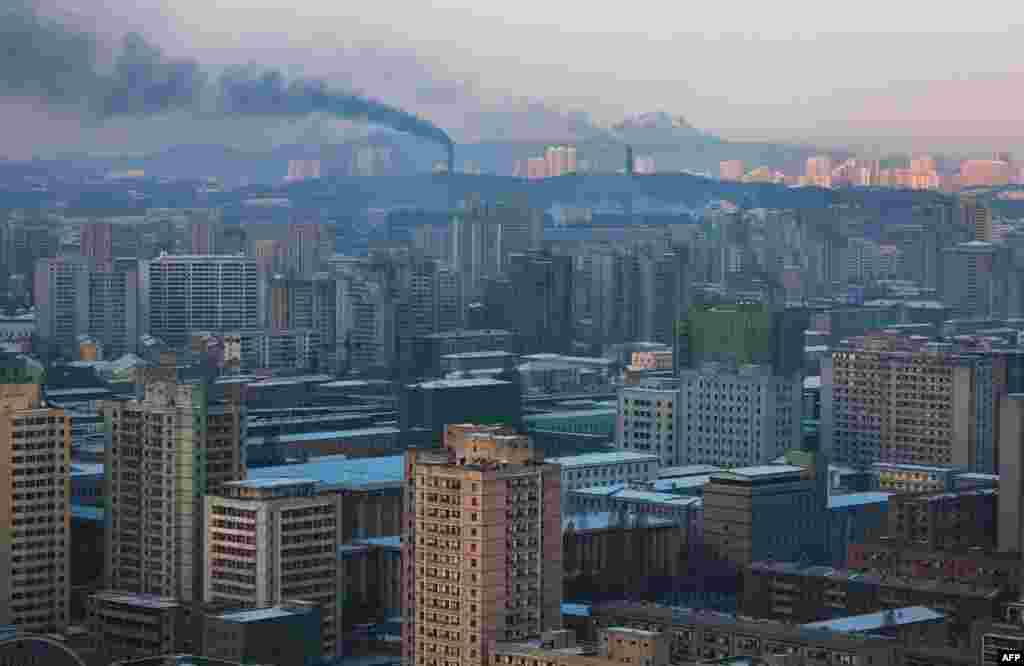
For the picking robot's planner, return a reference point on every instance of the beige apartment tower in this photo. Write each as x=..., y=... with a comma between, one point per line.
x=481, y=547
x=165, y=452
x=35, y=449
x=271, y=540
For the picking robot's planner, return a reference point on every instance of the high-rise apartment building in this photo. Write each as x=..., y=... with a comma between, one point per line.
x=114, y=306
x=62, y=300
x=106, y=241
x=166, y=451
x=481, y=547
x=560, y=160
x=35, y=464
x=975, y=282
x=77, y=296
x=900, y=400
x=1010, y=530
x=978, y=217
x=819, y=171
x=185, y=293
x=731, y=170
x=536, y=301
x=271, y=540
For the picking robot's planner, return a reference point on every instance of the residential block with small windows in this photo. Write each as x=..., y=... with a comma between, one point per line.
x=35, y=451
x=482, y=546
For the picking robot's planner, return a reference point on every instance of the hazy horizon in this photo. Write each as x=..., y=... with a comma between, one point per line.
x=942, y=83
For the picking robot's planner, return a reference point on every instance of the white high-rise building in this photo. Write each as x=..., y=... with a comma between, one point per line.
x=737, y=416
x=648, y=420
x=185, y=293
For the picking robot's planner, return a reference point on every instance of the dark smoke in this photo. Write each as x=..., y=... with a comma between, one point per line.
x=46, y=60
x=269, y=94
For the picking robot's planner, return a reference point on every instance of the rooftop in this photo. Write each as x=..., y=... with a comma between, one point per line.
x=571, y=413
x=339, y=471
x=324, y=434
x=758, y=472
x=259, y=614
x=468, y=334
x=460, y=383
x=913, y=468
x=86, y=469
x=141, y=600
x=857, y=499
x=688, y=470
x=603, y=458
x=880, y=620
x=84, y=512
x=267, y=483
x=683, y=483
x=603, y=520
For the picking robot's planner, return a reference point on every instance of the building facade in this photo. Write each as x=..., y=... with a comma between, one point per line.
x=899, y=400
x=35, y=459
x=165, y=451
x=482, y=547
x=269, y=540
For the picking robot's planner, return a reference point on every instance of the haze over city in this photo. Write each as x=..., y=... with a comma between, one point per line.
x=946, y=81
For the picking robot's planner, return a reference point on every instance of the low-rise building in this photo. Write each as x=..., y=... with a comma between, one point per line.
x=702, y=636
x=127, y=626
x=602, y=469
x=284, y=635
x=616, y=554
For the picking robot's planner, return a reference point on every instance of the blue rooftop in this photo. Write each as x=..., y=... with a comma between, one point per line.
x=857, y=499
x=603, y=520
x=604, y=458
x=82, y=512
x=258, y=614
x=341, y=472
x=576, y=610
x=324, y=434
x=877, y=621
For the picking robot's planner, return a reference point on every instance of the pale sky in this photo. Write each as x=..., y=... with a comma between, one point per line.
x=799, y=70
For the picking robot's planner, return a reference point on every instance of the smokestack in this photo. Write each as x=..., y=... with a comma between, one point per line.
x=630, y=167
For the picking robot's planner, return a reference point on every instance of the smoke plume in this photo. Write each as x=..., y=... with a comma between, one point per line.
x=46, y=60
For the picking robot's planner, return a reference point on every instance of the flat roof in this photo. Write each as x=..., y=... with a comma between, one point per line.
x=571, y=413
x=479, y=354
x=857, y=499
x=141, y=600
x=576, y=609
x=879, y=620
x=687, y=482
x=913, y=467
x=280, y=482
x=460, y=383
x=688, y=470
x=323, y=434
x=339, y=471
x=258, y=614
x=85, y=512
x=758, y=471
x=812, y=382
x=603, y=458
x=602, y=520
x=86, y=469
